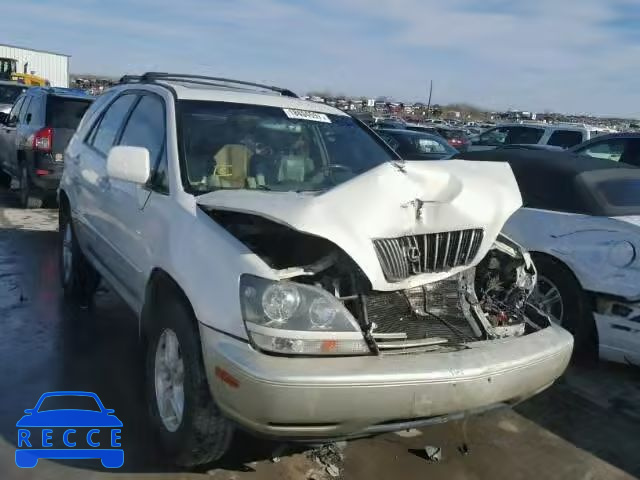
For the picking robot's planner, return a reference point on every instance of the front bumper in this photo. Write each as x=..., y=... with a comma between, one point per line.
x=314, y=398
x=618, y=325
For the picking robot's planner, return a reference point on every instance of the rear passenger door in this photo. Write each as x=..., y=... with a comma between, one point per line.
x=93, y=184
x=132, y=228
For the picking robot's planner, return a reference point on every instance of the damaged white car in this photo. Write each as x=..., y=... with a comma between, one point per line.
x=581, y=223
x=291, y=274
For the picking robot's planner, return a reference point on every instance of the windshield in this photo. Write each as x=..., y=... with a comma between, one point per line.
x=9, y=93
x=238, y=146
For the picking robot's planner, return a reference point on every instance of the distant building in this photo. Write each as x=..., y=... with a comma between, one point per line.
x=49, y=65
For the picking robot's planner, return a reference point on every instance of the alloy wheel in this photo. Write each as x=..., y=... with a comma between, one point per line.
x=547, y=298
x=169, y=380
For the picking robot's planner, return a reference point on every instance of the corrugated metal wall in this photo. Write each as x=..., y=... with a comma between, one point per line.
x=52, y=66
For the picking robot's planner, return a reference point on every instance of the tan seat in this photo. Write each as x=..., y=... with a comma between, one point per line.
x=231, y=167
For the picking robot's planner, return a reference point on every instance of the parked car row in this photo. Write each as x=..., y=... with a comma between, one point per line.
x=33, y=137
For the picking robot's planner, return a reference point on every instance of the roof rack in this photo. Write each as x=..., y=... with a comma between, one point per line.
x=150, y=77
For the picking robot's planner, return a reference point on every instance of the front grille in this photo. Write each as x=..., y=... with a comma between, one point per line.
x=423, y=316
x=403, y=257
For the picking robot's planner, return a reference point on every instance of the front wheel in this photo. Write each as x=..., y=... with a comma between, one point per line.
x=188, y=423
x=560, y=296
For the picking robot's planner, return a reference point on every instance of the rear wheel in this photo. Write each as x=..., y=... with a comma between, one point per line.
x=188, y=423
x=559, y=294
x=28, y=197
x=5, y=180
x=78, y=278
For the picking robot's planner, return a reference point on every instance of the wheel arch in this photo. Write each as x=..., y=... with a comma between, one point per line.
x=63, y=201
x=559, y=263
x=160, y=286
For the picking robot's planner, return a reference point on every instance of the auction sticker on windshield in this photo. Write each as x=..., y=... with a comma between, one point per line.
x=306, y=115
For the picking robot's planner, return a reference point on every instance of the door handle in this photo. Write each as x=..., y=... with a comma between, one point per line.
x=104, y=184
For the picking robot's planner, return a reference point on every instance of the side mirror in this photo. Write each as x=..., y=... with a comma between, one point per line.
x=130, y=164
x=29, y=411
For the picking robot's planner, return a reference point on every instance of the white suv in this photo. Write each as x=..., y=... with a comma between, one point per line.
x=291, y=274
x=553, y=136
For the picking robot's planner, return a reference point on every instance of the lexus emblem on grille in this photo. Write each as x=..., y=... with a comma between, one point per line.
x=413, y=256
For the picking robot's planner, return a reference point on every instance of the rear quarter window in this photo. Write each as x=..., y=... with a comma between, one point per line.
x=65, y=112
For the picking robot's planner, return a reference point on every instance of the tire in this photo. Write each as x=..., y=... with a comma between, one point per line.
x=577, y=315
x=28, y=199
x=5, y=180
x=201, y=435
x=78, y=278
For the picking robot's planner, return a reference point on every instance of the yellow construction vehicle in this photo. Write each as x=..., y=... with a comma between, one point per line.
x=9, y=71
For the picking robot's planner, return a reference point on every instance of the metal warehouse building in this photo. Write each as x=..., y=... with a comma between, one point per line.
x=50, y=65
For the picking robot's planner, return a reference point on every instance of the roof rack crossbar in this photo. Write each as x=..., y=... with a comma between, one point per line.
x=202, y=80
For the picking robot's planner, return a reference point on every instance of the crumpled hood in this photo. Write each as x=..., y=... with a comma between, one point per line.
x=455, y=195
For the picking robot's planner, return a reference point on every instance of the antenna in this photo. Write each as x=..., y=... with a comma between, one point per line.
x=429, y=103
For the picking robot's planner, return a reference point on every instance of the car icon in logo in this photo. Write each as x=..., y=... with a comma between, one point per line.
x=84, y=432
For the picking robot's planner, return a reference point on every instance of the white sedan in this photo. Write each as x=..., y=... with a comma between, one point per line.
x=581, y=223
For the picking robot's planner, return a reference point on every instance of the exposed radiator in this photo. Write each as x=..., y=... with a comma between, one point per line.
x=422, y=316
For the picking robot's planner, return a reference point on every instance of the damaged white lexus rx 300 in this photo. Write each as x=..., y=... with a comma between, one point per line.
x=291, y=274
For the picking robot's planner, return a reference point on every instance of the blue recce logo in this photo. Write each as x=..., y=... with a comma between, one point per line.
x=37, y=428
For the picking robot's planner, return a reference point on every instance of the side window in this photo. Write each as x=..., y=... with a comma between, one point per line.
x=565, y=138
x=524, y=135
x=33, y=114
x=631, y=153
x=15, y=110
x=23, y=110
x=426, y=145
x=606, y=149
x=146, y=128
x=105, y=132
x=494, y=137
x=92, y=113
x=389, y=140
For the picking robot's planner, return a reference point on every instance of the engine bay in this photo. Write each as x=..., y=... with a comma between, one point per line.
x=483, y=302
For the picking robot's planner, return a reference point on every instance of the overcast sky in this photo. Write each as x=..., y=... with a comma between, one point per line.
x=579, y=56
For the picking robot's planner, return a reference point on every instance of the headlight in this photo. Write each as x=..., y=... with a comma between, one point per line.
x=292, y=318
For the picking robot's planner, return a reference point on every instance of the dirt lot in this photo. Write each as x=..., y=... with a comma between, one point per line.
x=584, y=427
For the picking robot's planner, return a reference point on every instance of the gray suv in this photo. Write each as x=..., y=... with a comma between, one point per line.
x=33, y=137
